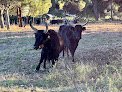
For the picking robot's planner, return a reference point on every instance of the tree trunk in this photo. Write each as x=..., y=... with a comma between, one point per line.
x=1, y=19
x=94, y=2
x=7, y=19
x=7, y=15
x=26, y=21
x=112, y=10
x=33, y=20
x=86, y=7
x=19, y=18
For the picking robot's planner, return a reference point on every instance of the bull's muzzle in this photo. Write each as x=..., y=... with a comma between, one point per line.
x=35, y=47
x=41, y=46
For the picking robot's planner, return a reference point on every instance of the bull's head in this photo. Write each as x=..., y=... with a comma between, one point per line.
x=78, y=29
x=41, y=37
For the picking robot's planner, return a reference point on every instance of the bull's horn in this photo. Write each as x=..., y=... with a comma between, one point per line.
x=32, y=26
x=86, y=22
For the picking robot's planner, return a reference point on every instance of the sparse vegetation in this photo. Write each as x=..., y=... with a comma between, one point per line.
x=3, y=41
x=97, y=66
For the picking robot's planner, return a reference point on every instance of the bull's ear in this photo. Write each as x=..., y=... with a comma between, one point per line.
x=83, y=28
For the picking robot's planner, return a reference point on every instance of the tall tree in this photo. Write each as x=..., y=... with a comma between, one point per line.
x=38, y=7
x=1, y=16
x=111, y=9
x=104, y=8
x=7, y=5
x=7, y=14
x=19, y=16
x=95, y=9
x=74, y=6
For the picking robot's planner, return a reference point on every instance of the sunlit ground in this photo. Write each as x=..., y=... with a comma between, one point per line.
x=90, y=27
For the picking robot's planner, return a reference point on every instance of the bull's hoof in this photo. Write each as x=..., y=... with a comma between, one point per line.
x=73, y=60
x=36, y=70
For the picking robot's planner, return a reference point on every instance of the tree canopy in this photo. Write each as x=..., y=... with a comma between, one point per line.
x=37, y=7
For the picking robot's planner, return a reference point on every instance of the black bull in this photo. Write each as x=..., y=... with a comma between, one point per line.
x=51, y=44
x=71, y=36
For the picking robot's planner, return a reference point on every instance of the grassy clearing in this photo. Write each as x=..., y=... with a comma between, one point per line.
x=97, y=66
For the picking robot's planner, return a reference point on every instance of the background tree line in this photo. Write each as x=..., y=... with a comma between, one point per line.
x=97, y=9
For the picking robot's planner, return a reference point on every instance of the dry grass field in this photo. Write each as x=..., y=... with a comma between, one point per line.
x=97, y=66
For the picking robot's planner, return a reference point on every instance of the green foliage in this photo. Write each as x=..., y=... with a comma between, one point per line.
x=43, y=6
x=11, y=5
x=74, y=7
x=107, y=12
x=81, y=4
x=38, y=7
x=61, y=4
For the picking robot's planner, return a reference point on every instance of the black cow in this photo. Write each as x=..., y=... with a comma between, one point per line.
x=38, y=21
x=71, y=36
x=51, y=44
x=56, y=21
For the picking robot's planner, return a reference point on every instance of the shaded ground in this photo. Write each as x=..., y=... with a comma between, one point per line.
x=101, y=44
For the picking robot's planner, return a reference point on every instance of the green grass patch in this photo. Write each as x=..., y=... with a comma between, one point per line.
x=106, y=79
x=12, y=82
x=3, y=41
x=17, y=62
x=34, y=66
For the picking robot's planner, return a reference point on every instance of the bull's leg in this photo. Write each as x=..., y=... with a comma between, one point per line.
x=53, y=63
x=45, y=62
x=41, y=60
x=63, y=51
x=72, y=53
x=38, y=66
x=72, y=48
x=72, y=56
x=67, y=51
